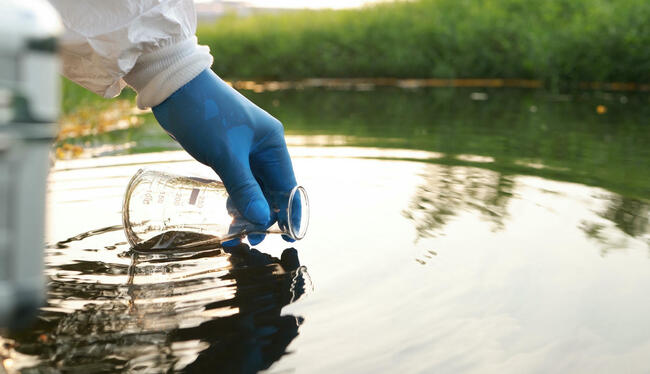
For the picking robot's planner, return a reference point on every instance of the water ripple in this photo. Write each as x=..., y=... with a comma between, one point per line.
x=115, y=309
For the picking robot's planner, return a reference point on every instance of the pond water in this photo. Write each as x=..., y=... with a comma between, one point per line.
x=451, y=231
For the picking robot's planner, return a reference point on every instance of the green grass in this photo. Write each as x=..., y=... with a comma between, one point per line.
x=558, y=41
x=75, y=97
x=561, y=42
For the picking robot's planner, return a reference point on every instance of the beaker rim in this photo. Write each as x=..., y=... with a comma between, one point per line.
x=301, y=231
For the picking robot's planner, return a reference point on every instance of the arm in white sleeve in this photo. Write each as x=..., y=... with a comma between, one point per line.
x=147, y=44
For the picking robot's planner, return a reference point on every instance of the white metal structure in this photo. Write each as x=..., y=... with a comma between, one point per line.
x=29, y=107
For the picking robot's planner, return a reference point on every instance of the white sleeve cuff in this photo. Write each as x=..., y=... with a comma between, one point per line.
x=157, y=75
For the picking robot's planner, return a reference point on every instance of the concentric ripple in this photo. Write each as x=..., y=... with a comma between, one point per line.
x=111, y=309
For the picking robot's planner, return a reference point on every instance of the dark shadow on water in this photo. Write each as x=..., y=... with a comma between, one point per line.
x=214, y=310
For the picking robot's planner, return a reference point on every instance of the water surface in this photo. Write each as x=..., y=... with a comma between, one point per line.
x=498, y=238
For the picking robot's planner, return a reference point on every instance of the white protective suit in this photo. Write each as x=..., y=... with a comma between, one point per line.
x=148, y=44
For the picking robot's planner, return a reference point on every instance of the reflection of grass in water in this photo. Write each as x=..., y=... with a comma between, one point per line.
x=629, y=216
x=89, y=121
x=449, y=190
x=559, y=137
x=516, y=128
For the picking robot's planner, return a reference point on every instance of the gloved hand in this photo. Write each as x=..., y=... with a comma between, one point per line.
x=242, y=143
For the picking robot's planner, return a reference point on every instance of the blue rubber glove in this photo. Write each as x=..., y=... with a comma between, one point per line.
x=242, y=143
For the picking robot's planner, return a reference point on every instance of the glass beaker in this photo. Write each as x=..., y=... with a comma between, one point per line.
x=163, y=210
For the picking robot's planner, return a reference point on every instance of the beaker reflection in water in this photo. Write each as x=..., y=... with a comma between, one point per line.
x=163, y=210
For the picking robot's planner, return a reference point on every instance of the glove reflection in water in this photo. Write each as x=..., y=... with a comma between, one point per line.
x=258, y=335
x=214, y=310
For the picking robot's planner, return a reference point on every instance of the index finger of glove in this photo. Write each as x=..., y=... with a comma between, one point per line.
x=273, y=169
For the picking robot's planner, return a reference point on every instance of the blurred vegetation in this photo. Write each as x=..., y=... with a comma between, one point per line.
x=86, y=114
x=515, y=127
x=560, y=42
x=75, y=98
x=592, y=138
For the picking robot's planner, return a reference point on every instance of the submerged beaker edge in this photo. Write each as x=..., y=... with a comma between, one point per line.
x=131, y=237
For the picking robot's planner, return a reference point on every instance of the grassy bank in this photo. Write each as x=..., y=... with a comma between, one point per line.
x=557, y=41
